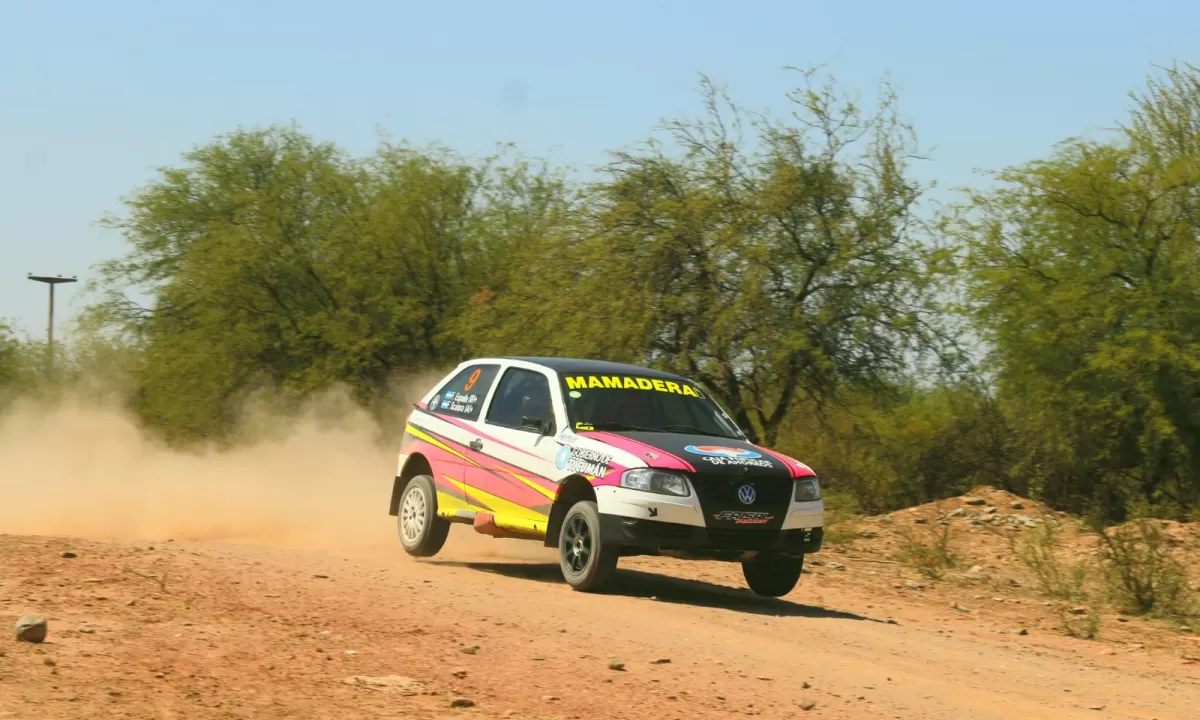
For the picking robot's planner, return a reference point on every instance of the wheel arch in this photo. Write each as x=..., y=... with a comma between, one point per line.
x=417, y=464
x=571, y=491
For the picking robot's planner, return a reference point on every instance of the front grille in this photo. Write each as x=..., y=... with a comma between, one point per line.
x=722, y=490
x=724, y=512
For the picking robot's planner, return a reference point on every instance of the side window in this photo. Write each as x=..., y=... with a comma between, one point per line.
x=463, y=396
x=522, y=401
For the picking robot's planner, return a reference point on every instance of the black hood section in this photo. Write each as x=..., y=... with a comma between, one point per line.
x=712, y=455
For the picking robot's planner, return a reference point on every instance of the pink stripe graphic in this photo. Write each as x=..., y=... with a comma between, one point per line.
x=662, y=458
x=793, y=469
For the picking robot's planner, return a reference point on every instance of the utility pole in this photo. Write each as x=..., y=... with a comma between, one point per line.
x=51, y=281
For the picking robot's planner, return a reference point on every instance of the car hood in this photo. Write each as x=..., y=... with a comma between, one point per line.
x=704, y=454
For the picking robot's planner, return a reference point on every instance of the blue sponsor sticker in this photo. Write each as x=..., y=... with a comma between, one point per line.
x=563, y=457
x=722, y=451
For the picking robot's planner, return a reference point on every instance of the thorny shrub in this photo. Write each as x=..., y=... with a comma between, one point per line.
x=931, y=556
x=1144, y=575
x=1078, y=609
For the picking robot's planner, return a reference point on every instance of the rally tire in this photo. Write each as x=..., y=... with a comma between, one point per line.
x=587, y=563
x=772, y=577
x=422, y=532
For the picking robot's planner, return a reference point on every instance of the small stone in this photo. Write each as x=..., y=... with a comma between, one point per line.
x=807, y=705
x=461, y=702
x=615, y=664
x=1079, y=611
x=49, y=662
x=1017, y=505
x=459, y=673
x=549, y=698
x=975, y=570
x=86, y=630
x=31, y=628
x=539, y=658
x=1095, y=707
x=765, y=677
x=1122, y=619
x=958, y=513
x=660, y=661
x=804, y=685
x=990, y=510
x=1020, y=631
x=961, y=608
x=976, y=501
x=320, y=577
x=913, y=585
x=836, y=566
x=868, y=534
x=70, y=555
x=469, y=649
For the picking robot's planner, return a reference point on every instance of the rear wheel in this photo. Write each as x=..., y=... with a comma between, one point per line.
x=587, y=563
x=422, y=532
x=772, y=576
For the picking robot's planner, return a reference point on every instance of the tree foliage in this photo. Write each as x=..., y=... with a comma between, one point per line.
x=1083, y=268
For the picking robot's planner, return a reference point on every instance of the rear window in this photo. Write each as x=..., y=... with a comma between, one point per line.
x=463, y=396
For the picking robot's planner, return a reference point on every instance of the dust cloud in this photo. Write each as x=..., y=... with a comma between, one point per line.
x=82, y=469
x=315, y=477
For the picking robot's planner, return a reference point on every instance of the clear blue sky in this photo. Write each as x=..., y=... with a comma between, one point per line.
x=95, y=95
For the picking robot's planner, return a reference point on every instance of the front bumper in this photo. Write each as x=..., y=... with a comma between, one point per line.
x=720, y=544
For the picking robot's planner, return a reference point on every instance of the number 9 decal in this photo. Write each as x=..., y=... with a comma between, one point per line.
x=471, y=381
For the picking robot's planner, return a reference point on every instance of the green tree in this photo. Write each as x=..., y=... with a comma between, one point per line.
x=775, y=269
x=1084, y=282
x=273, y=260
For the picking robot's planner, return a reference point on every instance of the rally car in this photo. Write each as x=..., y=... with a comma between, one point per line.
x=601, y=460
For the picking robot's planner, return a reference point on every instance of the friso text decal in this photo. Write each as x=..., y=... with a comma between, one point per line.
x=626, y=382
x=718, y=455
x=582, y=461
x=744, y=517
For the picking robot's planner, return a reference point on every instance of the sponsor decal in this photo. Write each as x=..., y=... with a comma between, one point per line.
x=747, y=494
x=630, y=382
x=575, y=394
x=582, y=461
x=584, y=426
x=721, y=455
x=744, y=517
x=458, y=402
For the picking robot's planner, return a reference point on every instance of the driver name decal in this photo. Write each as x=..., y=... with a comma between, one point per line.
x=627, y=382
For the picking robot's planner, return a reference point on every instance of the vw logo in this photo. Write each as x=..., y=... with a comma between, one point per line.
x=746, y=494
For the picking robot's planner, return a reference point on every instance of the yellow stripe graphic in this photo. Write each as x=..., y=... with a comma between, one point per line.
x=500, y=506
x=530, y=483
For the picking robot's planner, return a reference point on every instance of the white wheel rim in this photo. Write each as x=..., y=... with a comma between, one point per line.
x=412, y=515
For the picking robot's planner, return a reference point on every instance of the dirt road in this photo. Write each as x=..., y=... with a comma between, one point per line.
x=193, y=630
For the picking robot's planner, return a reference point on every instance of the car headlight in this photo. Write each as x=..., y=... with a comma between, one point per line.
x=808, y=489
x=656, y=481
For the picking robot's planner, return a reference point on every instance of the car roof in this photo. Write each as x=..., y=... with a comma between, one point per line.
x=566, y=366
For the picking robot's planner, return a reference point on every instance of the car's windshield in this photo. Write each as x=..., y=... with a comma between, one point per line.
x=632, y=402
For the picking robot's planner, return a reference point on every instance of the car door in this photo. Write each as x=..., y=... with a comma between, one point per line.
x=448, y=425
x=516, y=438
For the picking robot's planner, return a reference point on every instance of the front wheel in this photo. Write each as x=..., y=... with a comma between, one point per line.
x=422, y=532
x=587, y=563
x=772, y=577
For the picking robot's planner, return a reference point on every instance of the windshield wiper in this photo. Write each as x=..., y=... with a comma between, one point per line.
x=621, y=426
x=695, y=430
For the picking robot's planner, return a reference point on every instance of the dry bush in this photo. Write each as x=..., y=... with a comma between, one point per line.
x=1077, y=607
x=931, y=556
x=1145, y=577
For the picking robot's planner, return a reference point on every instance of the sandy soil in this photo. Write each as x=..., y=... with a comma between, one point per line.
x=195, y=630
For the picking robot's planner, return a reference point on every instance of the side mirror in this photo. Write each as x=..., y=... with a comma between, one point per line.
x=532, y=423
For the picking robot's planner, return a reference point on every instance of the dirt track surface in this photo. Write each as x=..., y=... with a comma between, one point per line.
x=194, y=630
